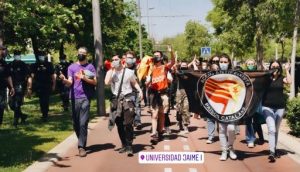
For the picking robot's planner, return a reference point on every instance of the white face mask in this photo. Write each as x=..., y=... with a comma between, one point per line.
x=116, y=63
x=224, y=66
x=130, y=61
x=17, y=57
x=42, y=58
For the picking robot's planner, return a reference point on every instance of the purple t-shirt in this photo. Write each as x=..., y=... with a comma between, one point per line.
x=80, y=88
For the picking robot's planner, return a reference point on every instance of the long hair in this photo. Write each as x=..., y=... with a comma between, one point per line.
x=280, y=66
x=224, y=55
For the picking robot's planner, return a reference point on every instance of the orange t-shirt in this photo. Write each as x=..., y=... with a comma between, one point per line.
x=159, y=78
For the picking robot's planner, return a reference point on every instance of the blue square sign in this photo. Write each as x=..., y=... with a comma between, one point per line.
x=205, y=51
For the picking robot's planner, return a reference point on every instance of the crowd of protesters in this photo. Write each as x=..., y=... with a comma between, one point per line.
x=150, y=82
x=164, y=92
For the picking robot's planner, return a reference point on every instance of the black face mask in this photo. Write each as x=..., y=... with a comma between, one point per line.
x=183, y=68
x=277, y=70
x=157, y=59
x=81, y=57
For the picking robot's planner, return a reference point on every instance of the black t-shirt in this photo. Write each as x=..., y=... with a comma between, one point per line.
x=42, y=74
x=274, y=96
x=4, y=73
x=19, y=72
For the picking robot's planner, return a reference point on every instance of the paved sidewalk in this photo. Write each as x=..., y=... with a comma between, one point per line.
x=103, y=157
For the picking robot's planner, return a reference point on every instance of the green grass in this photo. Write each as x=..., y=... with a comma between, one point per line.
x=20, y=147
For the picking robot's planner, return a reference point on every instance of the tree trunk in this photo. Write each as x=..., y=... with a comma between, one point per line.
x=1, y=27
x=259, y=48
x=61, y=49
x=282, y=48
x=35, y=46
x=293, y=57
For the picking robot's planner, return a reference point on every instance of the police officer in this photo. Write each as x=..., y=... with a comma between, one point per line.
x=5, y=79
x=62, y=68
x=42, y=73
x=19, y=74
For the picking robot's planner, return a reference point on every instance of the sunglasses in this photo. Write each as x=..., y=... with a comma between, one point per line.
x=223, y=62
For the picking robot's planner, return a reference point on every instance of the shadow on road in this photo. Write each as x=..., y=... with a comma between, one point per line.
x=99, y=147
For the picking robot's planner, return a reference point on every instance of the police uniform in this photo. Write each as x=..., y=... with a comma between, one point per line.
x=43, y=72
x=4, y=74
x=19, y=74
x=62, y=67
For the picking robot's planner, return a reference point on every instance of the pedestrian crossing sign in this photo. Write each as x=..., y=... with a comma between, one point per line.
x=205, y=51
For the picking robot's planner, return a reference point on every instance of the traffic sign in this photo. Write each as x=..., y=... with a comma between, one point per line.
x=205, y=51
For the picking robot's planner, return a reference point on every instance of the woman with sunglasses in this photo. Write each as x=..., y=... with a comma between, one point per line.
x=273, y=104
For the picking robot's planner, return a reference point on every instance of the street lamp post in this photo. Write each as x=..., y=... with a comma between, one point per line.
x=99, y=58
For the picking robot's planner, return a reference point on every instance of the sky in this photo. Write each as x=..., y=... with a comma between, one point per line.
x=174, y=15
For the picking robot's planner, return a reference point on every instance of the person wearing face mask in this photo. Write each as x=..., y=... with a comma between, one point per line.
x=182, y=104
x=226, y=130
x=62, y=68
x=82, y=81
x=123, y=82
x=20, y=75
x=253, y=124
x=42, y=73
x=273, y=104
x=5, y=80
x=131, y=64
x=157, y=81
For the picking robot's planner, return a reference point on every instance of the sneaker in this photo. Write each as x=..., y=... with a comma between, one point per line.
x=277, y=154
x=209, y=141
x=168, y=131
x=15, y=123
x=232, y=154
x=138, y=126
x=272, y=156
x=82, y=152
x=251, y=145
x=129, y=151
x=180, y=126
x=122, y=149
x=223, y=156
x=185, y=129
x=23, y=118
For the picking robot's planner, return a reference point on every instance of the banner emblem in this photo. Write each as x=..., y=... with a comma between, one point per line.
x=223, y=94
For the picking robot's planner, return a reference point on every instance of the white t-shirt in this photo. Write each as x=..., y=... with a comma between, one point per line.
x=129, y=77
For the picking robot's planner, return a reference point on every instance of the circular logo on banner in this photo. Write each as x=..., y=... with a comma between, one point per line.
x=223, y=94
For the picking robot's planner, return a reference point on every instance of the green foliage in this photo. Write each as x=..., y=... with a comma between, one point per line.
x=21, y=146
x=179, y=44
x=49, y=25
x=240, y=24
x=293, y=116
x=196, y=36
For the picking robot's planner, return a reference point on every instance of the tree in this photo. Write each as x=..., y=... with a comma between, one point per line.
x=250, y=21
x=43, y=23
x=49, y=25
x=196, y=36
x=293, y=57
x=179, y=44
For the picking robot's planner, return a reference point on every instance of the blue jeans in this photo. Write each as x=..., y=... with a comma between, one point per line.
x=250, y=135
x=80, y=115
x=211, y=127
x=273, y=119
